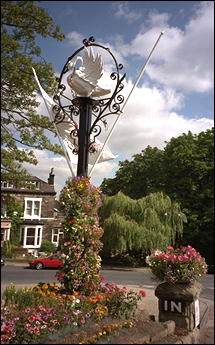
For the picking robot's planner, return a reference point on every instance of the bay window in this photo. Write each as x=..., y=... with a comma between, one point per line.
x=31, y=236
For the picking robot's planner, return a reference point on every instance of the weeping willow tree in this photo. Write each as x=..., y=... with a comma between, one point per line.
x=139, y=225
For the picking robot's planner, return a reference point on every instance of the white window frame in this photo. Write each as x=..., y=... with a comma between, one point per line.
x=6, y=234
x=32, y=215
x=59, y=232
x=5, y=184
x=38, y=228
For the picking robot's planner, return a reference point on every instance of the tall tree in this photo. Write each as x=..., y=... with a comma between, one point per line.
x=140, y=225
x=189, y=173
x=183, y=170
x=139, y=177
x=22, y=129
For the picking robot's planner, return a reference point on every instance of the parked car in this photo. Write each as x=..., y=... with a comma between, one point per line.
x=51, y=261
x=2, y=262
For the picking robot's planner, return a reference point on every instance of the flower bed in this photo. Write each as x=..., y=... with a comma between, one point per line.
x=29, y=315
x=183, y=264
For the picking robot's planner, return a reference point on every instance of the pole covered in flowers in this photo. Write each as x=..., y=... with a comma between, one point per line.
x=80, y=201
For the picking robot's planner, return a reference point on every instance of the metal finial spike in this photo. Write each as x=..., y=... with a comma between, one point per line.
x=92, y=39
x=85, y=42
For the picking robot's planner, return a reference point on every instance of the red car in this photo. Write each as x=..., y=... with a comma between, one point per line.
x=51, y=261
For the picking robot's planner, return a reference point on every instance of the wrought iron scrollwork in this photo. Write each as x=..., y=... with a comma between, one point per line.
x=67, y=108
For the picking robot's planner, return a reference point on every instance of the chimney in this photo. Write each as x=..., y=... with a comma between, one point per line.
x=51, y=177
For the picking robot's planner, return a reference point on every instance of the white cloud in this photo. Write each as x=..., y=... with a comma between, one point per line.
x=123, y=11
x=183, y=59
x=75, y=38
x=150, y=118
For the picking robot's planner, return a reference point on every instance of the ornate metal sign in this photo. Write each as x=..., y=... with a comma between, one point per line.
x=82, y=74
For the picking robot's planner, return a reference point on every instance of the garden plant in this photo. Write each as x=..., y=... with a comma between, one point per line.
x=183, y=264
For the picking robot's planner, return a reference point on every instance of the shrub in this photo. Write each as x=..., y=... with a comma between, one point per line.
x=47, y=247
x=7, y=249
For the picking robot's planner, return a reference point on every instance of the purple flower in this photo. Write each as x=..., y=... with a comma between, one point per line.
x=7, y=310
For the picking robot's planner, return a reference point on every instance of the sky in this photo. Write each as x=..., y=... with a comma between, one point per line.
x=174, y=95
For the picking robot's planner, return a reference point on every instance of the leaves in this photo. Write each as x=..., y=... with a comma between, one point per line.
x=143, y=224
x=183, y=170
x=22, y=23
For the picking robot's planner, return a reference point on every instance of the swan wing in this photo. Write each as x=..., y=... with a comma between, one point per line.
x=92, y=67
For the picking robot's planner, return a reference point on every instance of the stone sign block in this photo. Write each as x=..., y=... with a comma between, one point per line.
x=180, y=303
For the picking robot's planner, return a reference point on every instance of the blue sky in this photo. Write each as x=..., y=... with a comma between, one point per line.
x=176, y=92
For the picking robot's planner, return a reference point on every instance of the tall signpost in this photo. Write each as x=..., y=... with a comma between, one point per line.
x=80, y=107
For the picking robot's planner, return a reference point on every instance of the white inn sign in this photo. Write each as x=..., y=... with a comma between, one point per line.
x=172, y=306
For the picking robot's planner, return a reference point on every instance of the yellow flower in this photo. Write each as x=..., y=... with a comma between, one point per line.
x=71, y=298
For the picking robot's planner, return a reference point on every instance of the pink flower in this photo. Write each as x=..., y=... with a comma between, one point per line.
x=169, y=248
x=181, y=258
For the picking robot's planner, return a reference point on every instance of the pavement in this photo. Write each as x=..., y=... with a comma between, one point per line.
x=149, y=304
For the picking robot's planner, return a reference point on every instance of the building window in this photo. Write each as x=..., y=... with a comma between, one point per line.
x=56, y=235
x=32, y=208
x=5, y=235
x=35, y=184
x=5, y=184
x=3, y=209
x=31, y=236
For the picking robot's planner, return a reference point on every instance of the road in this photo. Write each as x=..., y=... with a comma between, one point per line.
x=20, y=276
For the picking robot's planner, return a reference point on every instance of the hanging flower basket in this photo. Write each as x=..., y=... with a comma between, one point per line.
x=181, y=265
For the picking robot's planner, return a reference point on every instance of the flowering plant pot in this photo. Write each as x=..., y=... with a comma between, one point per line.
x=180, y=265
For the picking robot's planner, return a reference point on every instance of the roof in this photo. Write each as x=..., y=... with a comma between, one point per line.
x=43, y=188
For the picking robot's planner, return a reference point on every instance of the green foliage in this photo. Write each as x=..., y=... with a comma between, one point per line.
x=14, y=213
x=7, y=249
x=139, y=177
x=183, y=170
x=21, y=23
x=139, y=225
x=47, y=247
x=25, y=297
x=189, y=170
